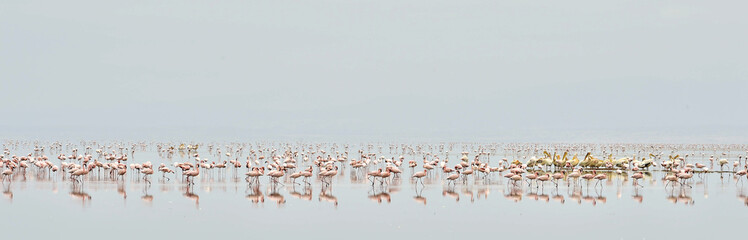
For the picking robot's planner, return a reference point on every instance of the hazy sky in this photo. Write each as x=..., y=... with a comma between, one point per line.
x=428, y=68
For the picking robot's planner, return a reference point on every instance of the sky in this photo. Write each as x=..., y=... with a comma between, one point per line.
x=635, y=71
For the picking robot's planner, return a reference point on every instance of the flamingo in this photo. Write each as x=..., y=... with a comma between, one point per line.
x=78, y=172
x=373, y=175
x=684, y=176
x=467, y=173
x=419, y=176
x=7, y=174
x=636, y=177
x=122, y=171
x=191, y=174
x=588, y=177
x=294, y=176
x=516, y=178
x=600, y=177
x=742, y=173
x=543, y=179
x=453, y=177
x=275, y=174
x=671, y=178
x=531, y=177
x=385, y=176
x=253, y=173
x=164, y=170
x=557, y=176
x=146, y=172
x=330, y=173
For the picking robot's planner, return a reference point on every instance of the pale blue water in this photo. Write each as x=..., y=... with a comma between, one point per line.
x=36, y=205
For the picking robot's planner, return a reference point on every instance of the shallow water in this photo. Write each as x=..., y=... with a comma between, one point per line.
x=222, y=204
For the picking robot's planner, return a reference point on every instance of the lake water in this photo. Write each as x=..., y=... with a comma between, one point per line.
x=221, y=204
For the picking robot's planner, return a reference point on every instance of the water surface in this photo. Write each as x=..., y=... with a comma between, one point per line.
x=43, y=205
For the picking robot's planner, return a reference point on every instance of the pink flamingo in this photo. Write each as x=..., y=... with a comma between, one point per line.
x=419, y=176
x=191, y=174
x=636, y=177
x=453, y=177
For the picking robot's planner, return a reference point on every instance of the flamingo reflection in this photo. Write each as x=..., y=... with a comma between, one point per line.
x=255, y=196
x=189, y=194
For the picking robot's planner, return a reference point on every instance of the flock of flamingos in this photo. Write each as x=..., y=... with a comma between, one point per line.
x=519, y=166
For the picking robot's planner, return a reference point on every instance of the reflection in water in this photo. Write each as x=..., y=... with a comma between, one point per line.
x=147, y=198
x=484, y=192
x=544, y=197
x=420, y=199
x=277, y=197
x=192, y=196
x=78, y=194
x=576, y=195
x=7, y=193
x=307, y=195
x=451, y=193
x=559, y=198
x=742, y=197
x=676, y=192
x=589, y=199
x=419, y=195
x=602, y=199
x=328, y=197
x=660, y=177
x=532, y=195
x=379, y=197
x=682, y=195
x=637, y=197
x=515, y=194
x=255, y=195
x=121, y=190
